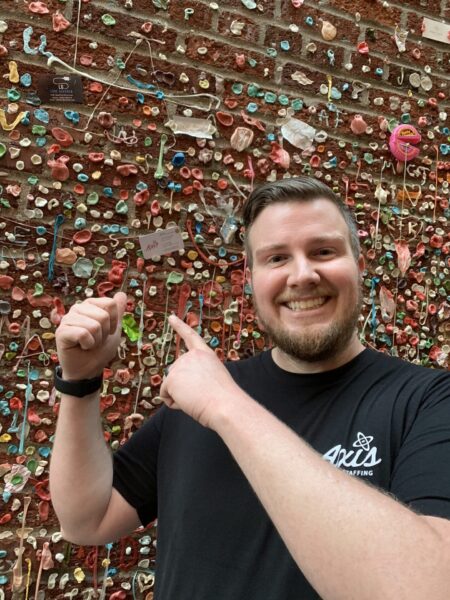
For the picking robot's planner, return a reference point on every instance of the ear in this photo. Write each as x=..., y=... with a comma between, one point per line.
x=260, y=325
x=248, y=276
x=361, y=264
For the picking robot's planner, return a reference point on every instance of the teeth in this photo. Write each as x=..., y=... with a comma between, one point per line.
x=305, y=304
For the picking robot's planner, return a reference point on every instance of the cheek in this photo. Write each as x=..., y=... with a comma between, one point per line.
x=269, y=287
x=349, y=288
x=265, y=291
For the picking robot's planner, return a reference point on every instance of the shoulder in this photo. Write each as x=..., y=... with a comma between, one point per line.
x=395, y=363
x=427, y=380
x=245, y=364
x=251, y=371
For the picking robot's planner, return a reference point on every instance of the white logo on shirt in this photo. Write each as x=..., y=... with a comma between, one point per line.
x=354, y=461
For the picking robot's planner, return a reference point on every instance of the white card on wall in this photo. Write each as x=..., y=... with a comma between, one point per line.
x=436, y=30
x=161, y=242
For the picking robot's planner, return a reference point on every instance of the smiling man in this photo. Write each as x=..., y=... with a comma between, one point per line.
x=305, y=273
x=314, y=470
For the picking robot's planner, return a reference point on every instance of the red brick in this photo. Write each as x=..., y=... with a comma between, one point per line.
x=315, y=76
x=250, y=31
x=241, y=100
x=148, y=8
x=275, y=35
x=381, y=42
x=224, y=56
x=428, y=56
x=61, y=45
x=200, y=19
x=363, y=60
x=347, y=31
x=443, y=64
x=432, y=7
x=125, y=24
x=267, y=6
x=289, y=14
x=320, y=57
x=370, y=11
x=414, y=24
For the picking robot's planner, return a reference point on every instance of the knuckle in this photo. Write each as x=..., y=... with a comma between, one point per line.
x=61, y=323
x=106, y=303
x=96, y=328
x=72, y=311
x=86, y=336
x=79, y=305
x=198, y=353
x=103, y=321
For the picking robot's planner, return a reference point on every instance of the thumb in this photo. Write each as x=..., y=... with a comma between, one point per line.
x=121, y=301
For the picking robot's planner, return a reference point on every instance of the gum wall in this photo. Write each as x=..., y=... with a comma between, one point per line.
x=124, y=118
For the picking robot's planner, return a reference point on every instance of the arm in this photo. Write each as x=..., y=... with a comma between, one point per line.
x=349, y=539
x=89, y=509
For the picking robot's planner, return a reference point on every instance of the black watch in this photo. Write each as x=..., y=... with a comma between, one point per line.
x=80, y=388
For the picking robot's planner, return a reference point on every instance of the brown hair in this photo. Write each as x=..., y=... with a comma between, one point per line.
x=295, y=189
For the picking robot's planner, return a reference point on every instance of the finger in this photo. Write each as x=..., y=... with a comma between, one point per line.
x=120, y=300
x=71, y=336
x=172, y=405
x=187, y=334
x=165, y=396
x=115, y=307
x=92, y=326
x=168, y=402
x=163, y=392
x=119, y=303
x=101, y=315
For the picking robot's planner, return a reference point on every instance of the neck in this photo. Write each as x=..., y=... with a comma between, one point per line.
x=294, y=365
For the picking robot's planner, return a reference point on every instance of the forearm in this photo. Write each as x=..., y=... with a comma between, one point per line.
x=80, y=468
x=349, y=539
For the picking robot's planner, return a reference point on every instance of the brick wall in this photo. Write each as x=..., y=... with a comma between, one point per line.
x=73, y=203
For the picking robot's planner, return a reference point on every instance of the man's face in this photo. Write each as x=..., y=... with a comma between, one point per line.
x=305, y=280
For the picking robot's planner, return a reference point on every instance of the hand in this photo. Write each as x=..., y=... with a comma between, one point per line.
x=197, y=382
x=88, y=336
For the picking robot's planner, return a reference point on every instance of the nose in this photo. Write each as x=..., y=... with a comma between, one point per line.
x=303, y=273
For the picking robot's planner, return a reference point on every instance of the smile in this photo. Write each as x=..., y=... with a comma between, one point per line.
x=307, y=304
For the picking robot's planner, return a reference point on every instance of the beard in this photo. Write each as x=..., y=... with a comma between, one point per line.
x=319, y=344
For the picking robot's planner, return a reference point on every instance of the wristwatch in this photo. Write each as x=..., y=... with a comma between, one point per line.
x=80, y=388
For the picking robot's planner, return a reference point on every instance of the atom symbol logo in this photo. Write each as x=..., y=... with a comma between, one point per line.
x=363, y=441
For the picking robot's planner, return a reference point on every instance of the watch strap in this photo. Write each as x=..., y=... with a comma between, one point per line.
x=80, y=388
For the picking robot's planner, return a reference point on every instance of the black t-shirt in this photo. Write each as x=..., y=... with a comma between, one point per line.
x=378, y=418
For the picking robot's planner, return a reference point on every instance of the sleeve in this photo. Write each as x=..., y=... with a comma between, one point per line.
x=135, y=468
x=421, y=474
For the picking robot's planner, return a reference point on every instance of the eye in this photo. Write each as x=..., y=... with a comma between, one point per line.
x=276, y=258
x=325, y=252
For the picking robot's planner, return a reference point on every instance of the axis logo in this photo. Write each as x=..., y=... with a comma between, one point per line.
x=356, y=461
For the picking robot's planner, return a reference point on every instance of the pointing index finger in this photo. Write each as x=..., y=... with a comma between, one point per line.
x=187, y=334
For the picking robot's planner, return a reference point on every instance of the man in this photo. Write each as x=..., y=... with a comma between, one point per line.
x=248, y=504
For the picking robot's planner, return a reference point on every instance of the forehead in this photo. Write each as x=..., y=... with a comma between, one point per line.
x=311, y=218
